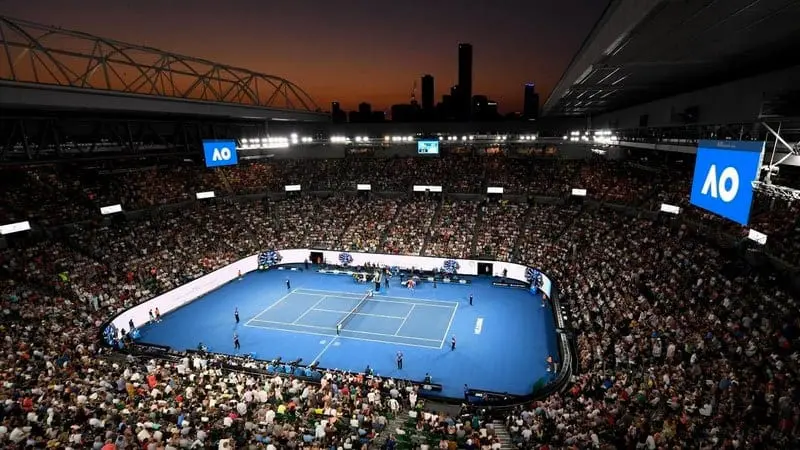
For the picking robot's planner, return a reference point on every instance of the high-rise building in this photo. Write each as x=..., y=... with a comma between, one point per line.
x=337, y=115
x=483, y=108
x=530, y=110
x=365, y=111
x=427, y=93
x=465, y=79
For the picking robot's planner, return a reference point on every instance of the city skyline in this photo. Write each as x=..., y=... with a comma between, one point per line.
x=351, y=52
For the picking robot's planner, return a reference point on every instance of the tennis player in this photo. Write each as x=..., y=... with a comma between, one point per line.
x=338, y=328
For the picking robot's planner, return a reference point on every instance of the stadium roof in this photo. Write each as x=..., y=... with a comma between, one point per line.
x=642, y=50
x=46, y=67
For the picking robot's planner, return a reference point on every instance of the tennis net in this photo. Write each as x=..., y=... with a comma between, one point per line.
x=353, y=312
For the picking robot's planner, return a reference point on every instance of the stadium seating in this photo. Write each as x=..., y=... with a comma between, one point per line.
x=679, y=346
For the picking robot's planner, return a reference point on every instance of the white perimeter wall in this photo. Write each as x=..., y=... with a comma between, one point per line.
x=182, y=295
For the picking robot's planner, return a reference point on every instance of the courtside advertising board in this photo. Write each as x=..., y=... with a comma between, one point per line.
x=723, y=176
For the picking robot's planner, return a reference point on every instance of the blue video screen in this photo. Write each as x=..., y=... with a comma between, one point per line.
x=220, y=153
x=430, y=147
x=723, y=176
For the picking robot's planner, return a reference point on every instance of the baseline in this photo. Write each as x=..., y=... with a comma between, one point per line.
x=449, y=325
x=280, y=300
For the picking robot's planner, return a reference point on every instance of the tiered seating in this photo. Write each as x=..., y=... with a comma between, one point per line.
x=452, y=232
x=369, y=228
x=678, y=347
x=406, y=235
x=499, y=229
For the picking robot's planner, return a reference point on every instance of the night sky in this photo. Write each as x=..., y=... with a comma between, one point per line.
x=349, y=50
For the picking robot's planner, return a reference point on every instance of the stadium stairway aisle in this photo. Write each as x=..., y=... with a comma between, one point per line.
x=428, y=233
x=478, y=224
x=392, y=426
x=523, y=219
x=385, y=234
x=502, y=433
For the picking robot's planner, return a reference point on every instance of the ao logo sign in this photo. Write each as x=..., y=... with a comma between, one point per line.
x=722, y=177
x=220, y=153
x=725, y=187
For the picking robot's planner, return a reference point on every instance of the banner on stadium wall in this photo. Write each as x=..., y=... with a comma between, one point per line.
x=723, y=174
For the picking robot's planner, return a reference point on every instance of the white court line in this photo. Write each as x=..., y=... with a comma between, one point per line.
x=344, y=337
x=388, y=301
x=309, y=309
x=316, y=358
x=405, y=318
x=271, y=306
x=349, y=331
x=449, y=324
x=358, y=313
x=333, y=293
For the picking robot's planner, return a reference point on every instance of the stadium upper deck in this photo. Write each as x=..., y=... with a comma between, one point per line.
x=643, y=50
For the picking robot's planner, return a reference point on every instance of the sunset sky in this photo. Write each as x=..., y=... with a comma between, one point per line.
x=349, y=50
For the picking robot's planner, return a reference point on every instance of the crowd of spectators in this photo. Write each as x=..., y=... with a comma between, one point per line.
x=406, y=235
x=53, y=195
x=679, y=345
x=368, y=231
x=452, y=233
x=499, y=229
x=677, y=348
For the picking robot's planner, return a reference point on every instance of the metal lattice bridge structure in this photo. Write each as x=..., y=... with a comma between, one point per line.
x=43, y=55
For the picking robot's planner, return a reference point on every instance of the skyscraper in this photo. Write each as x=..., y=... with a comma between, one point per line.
x=427, y=93
x=365, y=111
x=337, y=115
x=530, y=109
x=465, y=80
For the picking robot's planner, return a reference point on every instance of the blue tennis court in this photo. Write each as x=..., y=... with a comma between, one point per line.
x=387, y=319
x=503, y=339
